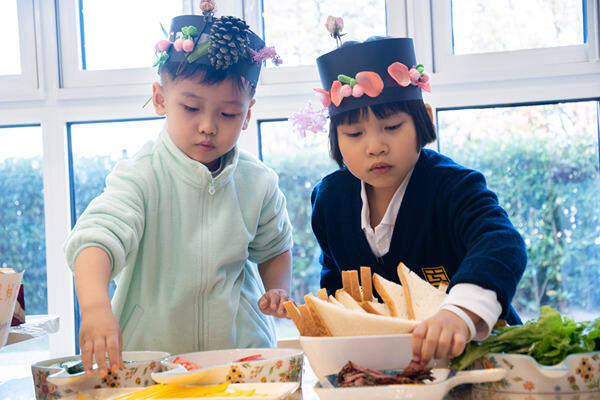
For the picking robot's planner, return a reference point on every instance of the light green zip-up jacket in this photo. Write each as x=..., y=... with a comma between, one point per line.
x=184, y=245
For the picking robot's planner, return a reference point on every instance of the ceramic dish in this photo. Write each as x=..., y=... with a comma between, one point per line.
x=444, y=381
x=217, y=366
x=488, y=395
x=576, y=374
x=52, y=381
x=264, y=391
x=328, y=354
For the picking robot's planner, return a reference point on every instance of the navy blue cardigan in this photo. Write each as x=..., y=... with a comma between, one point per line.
x=448, y=217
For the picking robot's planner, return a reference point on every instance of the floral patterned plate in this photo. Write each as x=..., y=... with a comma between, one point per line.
x=576, y=374
x=218, y=366
x=52, y=381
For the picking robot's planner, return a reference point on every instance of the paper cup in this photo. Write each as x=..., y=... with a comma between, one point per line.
x=9, y=289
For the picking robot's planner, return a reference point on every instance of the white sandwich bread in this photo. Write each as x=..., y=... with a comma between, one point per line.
x=353, y=311
x=426, y=299
x=344, y=322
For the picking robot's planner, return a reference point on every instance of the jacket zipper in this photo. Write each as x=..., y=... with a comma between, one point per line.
x=211, y=185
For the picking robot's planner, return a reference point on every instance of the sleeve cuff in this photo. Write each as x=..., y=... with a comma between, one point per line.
x=482, y=302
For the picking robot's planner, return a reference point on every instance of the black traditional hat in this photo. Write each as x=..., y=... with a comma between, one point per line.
x=224, y=43
x=377, y=71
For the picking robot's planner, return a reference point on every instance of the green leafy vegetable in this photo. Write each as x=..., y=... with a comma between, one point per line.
x=548, y=340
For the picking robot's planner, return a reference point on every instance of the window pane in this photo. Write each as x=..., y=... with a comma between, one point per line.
x=542, y=162
x=296, y=27
x=22, y=236
x=481, y=26
x=121, y=34
x=9, y=30
x=300, y=164
x=96, y=149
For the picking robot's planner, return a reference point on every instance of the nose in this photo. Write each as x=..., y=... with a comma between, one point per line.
x=376, y=146
x=207, y=126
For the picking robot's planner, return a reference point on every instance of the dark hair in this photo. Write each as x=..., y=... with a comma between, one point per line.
x=415, y=108
x=205, y=74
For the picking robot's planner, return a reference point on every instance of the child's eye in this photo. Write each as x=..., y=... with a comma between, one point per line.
x=353, y=134
x=226, y=115
x=190, y=109
x=393, y=127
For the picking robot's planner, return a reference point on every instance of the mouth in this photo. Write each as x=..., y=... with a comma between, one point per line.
x=380, y=168
x=206, y=146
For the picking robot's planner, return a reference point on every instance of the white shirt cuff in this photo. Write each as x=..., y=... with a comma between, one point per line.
x=482, y=302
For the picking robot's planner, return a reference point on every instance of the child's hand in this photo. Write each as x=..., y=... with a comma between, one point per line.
x=271, y=303
x=444, y=334
x=100, y=334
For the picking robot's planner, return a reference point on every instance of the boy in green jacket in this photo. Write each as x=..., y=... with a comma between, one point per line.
x=181, y=226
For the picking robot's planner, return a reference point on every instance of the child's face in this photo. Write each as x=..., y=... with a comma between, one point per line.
x=204, y=121
x=380, y=152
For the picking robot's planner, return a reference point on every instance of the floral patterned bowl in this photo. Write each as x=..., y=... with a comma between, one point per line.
x=52, y=381
x=576, y=374
x=218, y=366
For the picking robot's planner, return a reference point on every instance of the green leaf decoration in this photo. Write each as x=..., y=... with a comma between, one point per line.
x=575, y=387
x=346, y=79
x=517, y=379
x=189, y=31
x=200, y=50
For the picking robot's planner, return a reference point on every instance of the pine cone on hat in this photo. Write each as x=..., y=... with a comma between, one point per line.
x=228, y=42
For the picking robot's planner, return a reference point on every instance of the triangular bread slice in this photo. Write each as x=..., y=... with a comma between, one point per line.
x=333, y=300
x=426, y=298
x=342, y=322
x=393, y=296
x=348, y=301
x=319, y=325
x=375, y=307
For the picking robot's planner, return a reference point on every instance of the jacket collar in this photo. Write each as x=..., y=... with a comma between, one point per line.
x=194, y=172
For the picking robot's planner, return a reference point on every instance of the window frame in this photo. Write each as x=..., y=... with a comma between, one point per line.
x=71, y=74
x=26, y=85
x=291, y=79
x=550, y=62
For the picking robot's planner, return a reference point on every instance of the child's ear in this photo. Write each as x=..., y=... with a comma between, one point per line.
x=248, y=115
x=158, y=99
x=429, y=111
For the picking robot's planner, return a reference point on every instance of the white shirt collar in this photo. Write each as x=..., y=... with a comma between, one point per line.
x=389, y=218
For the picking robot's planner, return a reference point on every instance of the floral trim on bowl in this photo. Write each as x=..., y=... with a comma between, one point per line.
x=581, y=374
x=282, y=371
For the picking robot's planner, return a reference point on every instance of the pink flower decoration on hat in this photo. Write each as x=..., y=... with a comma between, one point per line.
x=162, y=45
x=419, y=78
x=400, y=73
x=207, y=5
x=357, y=91
x=334, y=26
x=309, y=119
x=336, y=93
x=324, y=96
x=370, y=82
x=264, y=54
x=188, y=45
x=178, y=44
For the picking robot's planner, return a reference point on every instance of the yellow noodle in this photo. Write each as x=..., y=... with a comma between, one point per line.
x=176, y=391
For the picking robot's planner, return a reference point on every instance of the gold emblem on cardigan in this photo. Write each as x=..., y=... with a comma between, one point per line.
x=435, y=275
